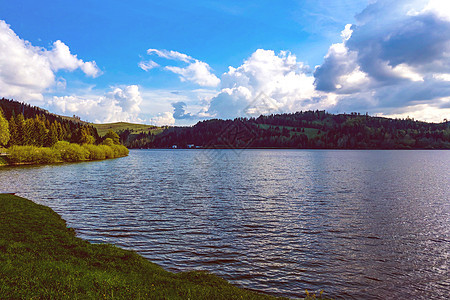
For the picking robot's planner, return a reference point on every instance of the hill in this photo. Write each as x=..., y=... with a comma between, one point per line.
x=309, y=130
x=300, y=130
x=120, y=127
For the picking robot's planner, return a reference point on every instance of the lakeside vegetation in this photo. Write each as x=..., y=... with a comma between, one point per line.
x=41, y=258
x=64, y=152
x=34, y=136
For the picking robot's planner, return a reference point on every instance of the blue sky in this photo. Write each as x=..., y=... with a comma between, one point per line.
x=177, y=62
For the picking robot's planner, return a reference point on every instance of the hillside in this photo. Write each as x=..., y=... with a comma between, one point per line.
x=300, y=130
x=309, y=129
x=120, y=127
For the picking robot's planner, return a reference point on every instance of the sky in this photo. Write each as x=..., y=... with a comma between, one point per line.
x=177, y=62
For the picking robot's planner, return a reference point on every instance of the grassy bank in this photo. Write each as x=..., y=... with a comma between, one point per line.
x=62, y=152
x=41, y=258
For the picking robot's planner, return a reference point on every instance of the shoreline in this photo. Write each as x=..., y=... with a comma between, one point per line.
x=61, y=152
x=53, y=163
x=44, y=258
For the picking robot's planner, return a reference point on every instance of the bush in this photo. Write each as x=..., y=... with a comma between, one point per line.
x=109, y=153
x=119, y=150
x=49, y=155
x=71, y=152
x=64, y=151
x=108, y=142
x=33, y=154
x=95, y=152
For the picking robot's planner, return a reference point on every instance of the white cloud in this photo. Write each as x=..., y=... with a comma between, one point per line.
x=60, y=58
x=121, y=104
x=148, y=65
x=420, y=112
x=163, y=119
x=276, y=82
x=443, y=77
x=441, y=8
x=27, y=71
x=173, y=55
x=196, y=71
x=396, y=67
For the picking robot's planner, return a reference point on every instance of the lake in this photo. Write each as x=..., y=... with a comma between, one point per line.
x=357, y=224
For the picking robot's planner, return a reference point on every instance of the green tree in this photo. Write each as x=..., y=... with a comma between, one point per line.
x=13, y=131
x=108, y=142
x=4, y=130
x=40, y=131
x=113, y=136
x=19, y=139
x=52, y=135
x=85, y=136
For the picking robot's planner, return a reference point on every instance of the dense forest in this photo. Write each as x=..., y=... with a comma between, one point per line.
x=30, y=125
x=309, y=129
x=33, y=135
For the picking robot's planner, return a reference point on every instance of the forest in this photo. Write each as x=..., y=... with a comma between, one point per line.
x=300, y=130
x=32, y=135
x=32, y=126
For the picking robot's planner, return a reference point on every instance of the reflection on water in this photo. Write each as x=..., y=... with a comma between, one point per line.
x=358, y=224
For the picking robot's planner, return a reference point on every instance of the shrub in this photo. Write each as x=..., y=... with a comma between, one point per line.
x=33, y=154
x=95, y=152
x=108, y=142
x=109, y=152
x=49, y=155
x=64, y=151
x=71, y=152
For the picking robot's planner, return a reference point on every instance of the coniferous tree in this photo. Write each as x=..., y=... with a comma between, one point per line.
x=13, y=130
x=20, y=123
x=4, y=130
x=52, y=135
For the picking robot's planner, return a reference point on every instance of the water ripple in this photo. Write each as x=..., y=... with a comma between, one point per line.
x=358, y=224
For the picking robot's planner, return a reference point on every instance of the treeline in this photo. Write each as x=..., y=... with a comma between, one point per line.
x=32, y=135
x=33, y=126
x=309, y=129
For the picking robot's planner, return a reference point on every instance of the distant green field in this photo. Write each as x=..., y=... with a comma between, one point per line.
x=102, y=129
x=309, y=132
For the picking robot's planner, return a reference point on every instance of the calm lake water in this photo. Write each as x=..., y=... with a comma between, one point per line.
x=357, y=224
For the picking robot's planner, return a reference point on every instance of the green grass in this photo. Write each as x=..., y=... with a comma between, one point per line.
x=309, y=132
x=102, y=129
x=41, y=258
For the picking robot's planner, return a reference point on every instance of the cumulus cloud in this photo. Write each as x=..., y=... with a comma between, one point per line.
x=120, y=104
x=196, y=71
x=265, y=83
x=163, y=119
x=60, y=58
x=26, y=71
x=398, y=64
x=179, y=111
